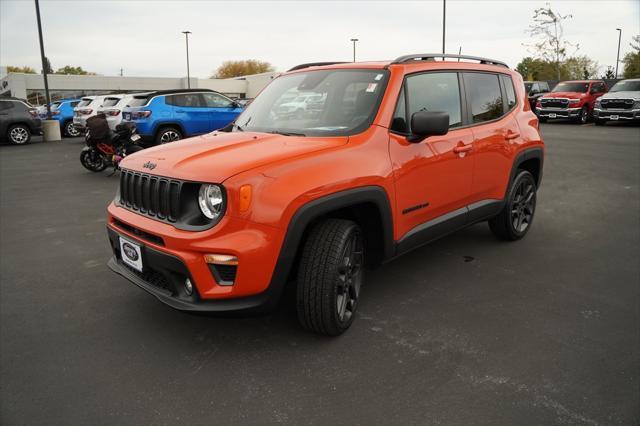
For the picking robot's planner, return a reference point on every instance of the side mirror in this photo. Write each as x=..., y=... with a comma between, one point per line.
x=428, y=123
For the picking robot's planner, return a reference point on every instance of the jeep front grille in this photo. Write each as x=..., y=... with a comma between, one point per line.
x=616, y=103
x=554, y=103
x=150, y=195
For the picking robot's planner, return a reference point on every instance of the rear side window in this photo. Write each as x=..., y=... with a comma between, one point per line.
x=214, y=100
x=438, y=91
x=185, y=100
x=108, y=102
x=510, y=91
x=138, y=101
x=484, y=93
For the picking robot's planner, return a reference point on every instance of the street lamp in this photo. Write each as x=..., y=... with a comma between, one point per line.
x=186, y=36
x=618, y=56
x=444, y=21
x=44, y=63
x=354, y=40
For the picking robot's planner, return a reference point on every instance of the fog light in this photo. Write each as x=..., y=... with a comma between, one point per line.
x=221, y=259
x=188, y=287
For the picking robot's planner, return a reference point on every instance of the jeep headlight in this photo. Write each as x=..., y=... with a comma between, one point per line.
x=211, y=200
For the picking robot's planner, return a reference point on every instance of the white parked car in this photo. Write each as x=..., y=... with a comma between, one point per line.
x=300, y=104
x=112, y=107
x=88, y=107
x=622, y=103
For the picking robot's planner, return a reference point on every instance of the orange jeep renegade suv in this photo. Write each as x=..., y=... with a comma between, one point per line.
x=334, y=168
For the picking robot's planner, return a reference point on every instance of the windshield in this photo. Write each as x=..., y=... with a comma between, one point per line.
x=137, y=101
x=572, y=87
x=85, y=102
x=626, y=86
x=55, y=105
x=528, y=87
x=318, y=103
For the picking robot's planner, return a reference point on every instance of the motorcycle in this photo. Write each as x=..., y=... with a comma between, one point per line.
x=106, y=149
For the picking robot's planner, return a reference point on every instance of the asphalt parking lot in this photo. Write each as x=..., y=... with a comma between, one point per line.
x=467, y=330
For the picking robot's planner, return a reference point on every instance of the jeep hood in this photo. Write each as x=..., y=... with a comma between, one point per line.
x=622, y=95
x=567, y=95
x=217, y=156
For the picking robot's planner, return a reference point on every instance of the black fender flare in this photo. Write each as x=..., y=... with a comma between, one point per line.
x=310, y=211
x=527, y=154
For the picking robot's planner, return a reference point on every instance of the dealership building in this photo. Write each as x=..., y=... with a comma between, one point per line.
x=31, y=86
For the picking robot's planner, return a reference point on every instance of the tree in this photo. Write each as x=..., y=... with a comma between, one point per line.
x=25, y=69
x=631, y=60
x=68, y=69
x=578, y=67
x=536, y=69
x=231, y=69
x=610, y=73
x=550, y=44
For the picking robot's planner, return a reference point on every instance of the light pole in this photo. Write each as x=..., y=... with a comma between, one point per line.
x=44, y=63
x=618, y=55
x=444, y=22
x=354, y=40
x=186, y=36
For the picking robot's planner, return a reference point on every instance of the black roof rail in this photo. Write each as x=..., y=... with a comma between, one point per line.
x=169, y=92
x=313, y=64
x=431, y=57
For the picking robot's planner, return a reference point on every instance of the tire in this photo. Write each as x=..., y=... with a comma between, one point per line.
x=19, y=134
x=330, y=275
x=599, y=122
x=583, y=118
x=168, y=135
x=542, y=119
x=92, y=160
x=70, y=130
x=516, y=217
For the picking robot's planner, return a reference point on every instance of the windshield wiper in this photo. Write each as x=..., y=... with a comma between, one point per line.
x=280, y=132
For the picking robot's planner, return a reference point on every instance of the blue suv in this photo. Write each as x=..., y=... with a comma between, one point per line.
x=169, y=115
x=62, y=111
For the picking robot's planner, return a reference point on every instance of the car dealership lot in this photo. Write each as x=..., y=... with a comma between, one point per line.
x=466, y=330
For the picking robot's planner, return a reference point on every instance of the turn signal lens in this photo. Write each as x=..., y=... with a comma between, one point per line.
x=245, y=197
x=221, y=259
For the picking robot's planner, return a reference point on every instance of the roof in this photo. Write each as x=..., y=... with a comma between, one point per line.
x=170, y=92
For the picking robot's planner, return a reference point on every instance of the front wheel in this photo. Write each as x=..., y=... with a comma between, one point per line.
x=330, y=274
x=583, y=118
x=19, y=134
x=93, y=160
x=516, y=217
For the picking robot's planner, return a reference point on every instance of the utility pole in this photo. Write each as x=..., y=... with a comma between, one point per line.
x=354, y=40
x=186, y=35
x=120, y=71
x=618, y=56
x=444, y=22
x=555, y=26
x=44, y=64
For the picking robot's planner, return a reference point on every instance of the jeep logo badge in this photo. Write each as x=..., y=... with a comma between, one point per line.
x=129, y=251
x=149, y=165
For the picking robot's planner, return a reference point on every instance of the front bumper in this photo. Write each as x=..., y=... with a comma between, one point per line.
x=170, y=256
x=617, y=114
x=558, y=112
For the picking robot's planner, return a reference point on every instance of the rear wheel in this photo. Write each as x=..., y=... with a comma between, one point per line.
x=330, y=275
x=168, y=135
x=71, y=130
x=516, y=217
x=19, y=134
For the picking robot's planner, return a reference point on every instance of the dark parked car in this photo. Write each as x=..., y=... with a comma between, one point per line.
x=18, y=120
x=534, y=90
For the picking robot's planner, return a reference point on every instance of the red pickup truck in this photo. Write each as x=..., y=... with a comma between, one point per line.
x=571, y=99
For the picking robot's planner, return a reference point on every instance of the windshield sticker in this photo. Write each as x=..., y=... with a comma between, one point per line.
x=372, y=87
x=378, y=77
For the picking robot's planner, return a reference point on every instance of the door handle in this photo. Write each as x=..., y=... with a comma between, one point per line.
x=511, y=135
x=462, y=148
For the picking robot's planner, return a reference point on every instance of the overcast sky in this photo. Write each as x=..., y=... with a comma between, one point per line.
x=143, y=37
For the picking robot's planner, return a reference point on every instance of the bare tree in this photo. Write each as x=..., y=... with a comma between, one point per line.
x=547, y=29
